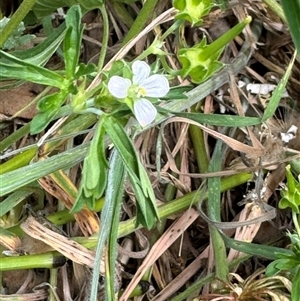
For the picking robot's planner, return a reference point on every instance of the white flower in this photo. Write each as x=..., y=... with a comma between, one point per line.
x=142, y=85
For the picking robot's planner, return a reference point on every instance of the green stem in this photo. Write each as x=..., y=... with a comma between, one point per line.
x=129, y=226
x=53, y=283
x=171, y=29
x=140, y=21
x=154, y=48
x=166, y=66
x=15, y=20
x=104, y=38
x=197, y=137
x=150, y=50
x=47, y=260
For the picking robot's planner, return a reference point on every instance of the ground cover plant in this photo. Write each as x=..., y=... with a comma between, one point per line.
x=149, y=150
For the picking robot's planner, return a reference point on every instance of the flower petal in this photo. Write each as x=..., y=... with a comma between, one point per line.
x=156, y=85
x=118, y=86
x=144, y=111
x=140, y=71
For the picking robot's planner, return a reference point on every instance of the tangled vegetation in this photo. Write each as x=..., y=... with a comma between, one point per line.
x=150, y=150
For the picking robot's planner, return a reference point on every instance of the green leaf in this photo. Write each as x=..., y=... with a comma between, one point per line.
x=72, y=41
x=195, y=65
x=290, y=195
x=40, y=121
x=43, y=8
x=287, y=264
x=192, y=10
x=94, y=174
x=277, y=93
x=83, y=70
x=295, y=164
x=291, y=9
x=41, y=53
x=50, y=102
x=48, y=106
x=177, y=92
x=146, y=212
x=97, y=181
x=91, y=4
x=271, y=269
x=287, y=202
x=17, y=39
x=81, y=201
x=20, y=69
x=146, y=207
x=121, y=141
x=148, y=191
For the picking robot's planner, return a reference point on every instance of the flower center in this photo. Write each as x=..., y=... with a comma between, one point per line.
x=136, y=91
x=141, y=92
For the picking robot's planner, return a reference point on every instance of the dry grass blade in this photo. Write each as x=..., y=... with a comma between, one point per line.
x=61, y=187
x=234, y=144
x=246, y=233
x=11, y=242
x=182, y=278
x=160, y=247
x=62, y=244
x=39, y=295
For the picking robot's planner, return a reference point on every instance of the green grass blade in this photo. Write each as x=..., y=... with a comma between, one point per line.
x=214, y=212
x=15, y=179
x=276, y=96
x=220, y=119
x=18, y=196
x=264, y=251
x=109, y=213
x=291, y=10
x=296, y=287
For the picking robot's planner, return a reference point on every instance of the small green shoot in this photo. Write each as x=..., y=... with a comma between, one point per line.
x=201, y=61
x=290, y=262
